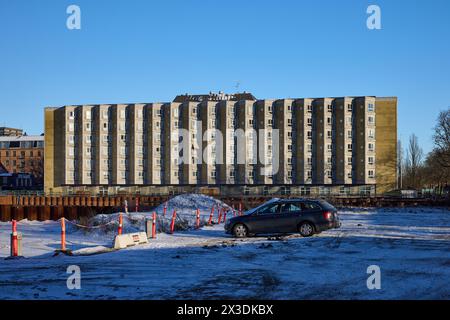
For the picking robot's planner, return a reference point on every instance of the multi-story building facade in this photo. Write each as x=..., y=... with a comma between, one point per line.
x=23, y=154
x=232, y=143
x=5, y=131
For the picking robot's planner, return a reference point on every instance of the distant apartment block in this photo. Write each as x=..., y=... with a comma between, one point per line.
x=309, y=145
x=24, y=155
x=5, y=131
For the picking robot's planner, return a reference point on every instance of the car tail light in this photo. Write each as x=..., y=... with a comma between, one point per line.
x=328, y=215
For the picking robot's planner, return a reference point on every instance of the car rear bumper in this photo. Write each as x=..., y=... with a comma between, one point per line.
x=329, y=225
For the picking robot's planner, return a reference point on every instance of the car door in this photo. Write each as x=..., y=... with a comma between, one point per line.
x=290, y=217
x=262, y=221
x=311, y=211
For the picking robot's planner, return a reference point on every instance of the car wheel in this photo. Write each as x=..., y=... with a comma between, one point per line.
x=306, y=229
x=240, y=231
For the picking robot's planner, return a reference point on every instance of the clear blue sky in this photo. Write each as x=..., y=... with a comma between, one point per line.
x=145, y=51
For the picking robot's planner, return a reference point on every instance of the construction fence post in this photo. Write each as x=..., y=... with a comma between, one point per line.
x=154, y=226
x=14, y=240
x=172, y=224
x=120, y=224
x=211, y=216
x=198, y=219
x=220, y=216
x=63, y=234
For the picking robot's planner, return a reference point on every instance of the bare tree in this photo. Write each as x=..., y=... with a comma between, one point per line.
x=400, y=163
x=442, y=139
x=414, y=160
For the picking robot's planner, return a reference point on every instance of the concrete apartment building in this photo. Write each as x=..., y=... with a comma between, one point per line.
x=307, y=146
x=23, y=154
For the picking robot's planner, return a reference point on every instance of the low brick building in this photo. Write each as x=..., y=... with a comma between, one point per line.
x=23, y=154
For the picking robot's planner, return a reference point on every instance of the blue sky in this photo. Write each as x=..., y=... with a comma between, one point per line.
x=145, y=51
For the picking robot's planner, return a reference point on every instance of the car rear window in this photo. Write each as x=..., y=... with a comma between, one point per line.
x=326, y=205
x=306, y=206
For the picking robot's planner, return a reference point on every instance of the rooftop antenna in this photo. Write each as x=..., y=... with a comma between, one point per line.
x=238, y=83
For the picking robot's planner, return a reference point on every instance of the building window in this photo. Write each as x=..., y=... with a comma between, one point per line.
x=88, y=114
x=349, y=161
x=71, y=127
x=371, y=107
x=349, y=107
x=329, y=134
x=349, y=120
x=309, y=121
x=88, y=127
x=371, y=174
x=371, y=147
x=371, y=161
x=330, y=108
x=371, y=134
x=371, y=119
x=309, y=108
x=122, y=114
x=309, y=134
x=71, y=115
x=350, y=147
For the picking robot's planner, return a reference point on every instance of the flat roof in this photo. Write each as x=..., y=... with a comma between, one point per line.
x=21, y=138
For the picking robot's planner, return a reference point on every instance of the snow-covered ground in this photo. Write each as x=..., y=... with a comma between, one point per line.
x=410, y=245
